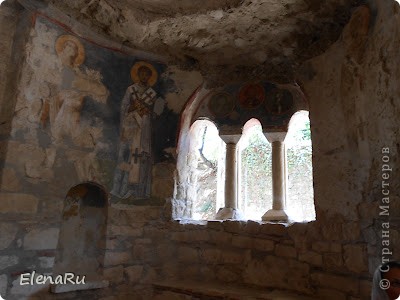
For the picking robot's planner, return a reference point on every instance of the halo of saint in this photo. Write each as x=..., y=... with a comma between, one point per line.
x=68, y=40
x=139, y=66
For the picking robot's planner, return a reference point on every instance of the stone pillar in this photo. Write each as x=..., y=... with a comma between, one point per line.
x=230, y=210
x=277, y=213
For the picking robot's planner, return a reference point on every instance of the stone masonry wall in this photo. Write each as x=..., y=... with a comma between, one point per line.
x=353, y=91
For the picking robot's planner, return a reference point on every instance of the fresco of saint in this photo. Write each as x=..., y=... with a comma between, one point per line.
x=139, y=106
x=64, y=110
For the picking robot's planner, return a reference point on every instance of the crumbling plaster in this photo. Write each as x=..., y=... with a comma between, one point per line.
x=225, y=40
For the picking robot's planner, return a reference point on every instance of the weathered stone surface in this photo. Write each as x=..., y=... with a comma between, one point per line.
x=351, y=231
x=338, y=283
x=321, y=247
x=202, y=37
x=116, y=258
x=242, y=241
x=232, y=257
x=134, y=273
x=18, y=203
x=25, y=290
x=188, y=254
x=218, y=237
x=211, y=256
x=285, y=251
x=311, y=257
x=115, y=274
x=115, y=230
x=46, y=262
x=8, y=232
x=279, y=230
x=8, y=261
x=355, y=258
x=278, y=268
x=333, y=261
x=40, y=239
x=263, y=244
x=226, y=274
x=3, y=285
x=329, y=294
x=10, y=181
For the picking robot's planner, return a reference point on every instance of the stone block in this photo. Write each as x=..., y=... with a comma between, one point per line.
x=215, y=225
x=10, y=181
x=365, y=289
x=8, y=232
x=208, y=272
x=339, y=283
x=154, y=233
x=351, y=231
x=40, y=239
x=322, y=247
x=263, y=245
x=311, y=257
x=278, y=230
x=166, y=251
x=220, y=237
x=277, y=272
x=232, y=257
x=242, y=241
x=115, y=230
x=46, y=262
x=226, y=274
x=188, y=254
x=8, y=261
x=149, y=276
x=328, y=294
x=18, y=203
x=333, y=261
x=233, y=226
x=285, y=251
x=332, y=231
x=162, y=188
x=116, y=258
x=252, y=227
x=355, y=258
x=115, y=274
x=134, y=273
x=211, y=255
x=112, y=243
x=370, y=235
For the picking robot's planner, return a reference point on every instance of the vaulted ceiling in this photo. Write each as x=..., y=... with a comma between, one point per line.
x=224, y=39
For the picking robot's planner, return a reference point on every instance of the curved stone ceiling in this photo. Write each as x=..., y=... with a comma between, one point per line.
x=226, y=40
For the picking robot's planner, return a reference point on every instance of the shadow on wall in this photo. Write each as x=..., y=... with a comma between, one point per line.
x=81, y=244
x=14, y=33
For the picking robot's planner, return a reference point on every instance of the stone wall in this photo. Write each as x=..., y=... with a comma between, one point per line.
x=352, y=89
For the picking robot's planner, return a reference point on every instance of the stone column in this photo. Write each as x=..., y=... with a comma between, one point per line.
x=277, y=213
x=230, y=210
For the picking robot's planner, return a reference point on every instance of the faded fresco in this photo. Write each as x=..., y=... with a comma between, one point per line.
x=94, y=113
x=139, y=106
x=233, y=105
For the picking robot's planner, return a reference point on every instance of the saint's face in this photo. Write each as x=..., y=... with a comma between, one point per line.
x=393, y=275
x=69, y=53
x=144, y=74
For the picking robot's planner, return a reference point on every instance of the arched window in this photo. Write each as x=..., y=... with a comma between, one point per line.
x=254, y=171
x=300, y=192
x=206, y=170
